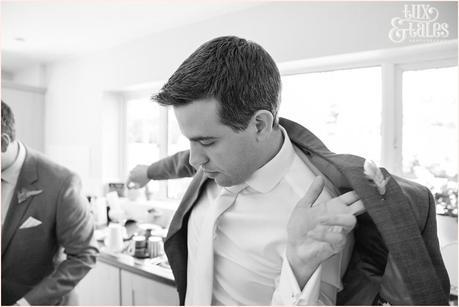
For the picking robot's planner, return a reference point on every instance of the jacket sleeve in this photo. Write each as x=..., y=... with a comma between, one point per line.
x=75, y=234
x=430, y=237
x=172, y=167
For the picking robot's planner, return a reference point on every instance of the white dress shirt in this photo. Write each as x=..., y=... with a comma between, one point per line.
x=250, y=265
x=10, y=178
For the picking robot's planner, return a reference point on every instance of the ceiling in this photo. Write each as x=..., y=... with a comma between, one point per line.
x=35, y=32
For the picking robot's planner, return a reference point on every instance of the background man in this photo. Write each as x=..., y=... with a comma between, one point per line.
x=43, y=210
x=244, y=234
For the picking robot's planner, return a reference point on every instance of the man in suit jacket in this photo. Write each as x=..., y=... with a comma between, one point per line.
x=43, y=212
x=225, y=97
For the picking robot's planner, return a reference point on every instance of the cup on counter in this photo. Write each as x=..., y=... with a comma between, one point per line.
x=155, y=246
x=114, y=239
x=136, y=194
x=99, y=207
x=138, y=247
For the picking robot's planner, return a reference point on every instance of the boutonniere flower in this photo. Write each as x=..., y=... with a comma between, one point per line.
x=374, y=173
x=25, y=194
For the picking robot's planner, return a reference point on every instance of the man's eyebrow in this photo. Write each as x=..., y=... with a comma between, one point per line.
x=202, y=138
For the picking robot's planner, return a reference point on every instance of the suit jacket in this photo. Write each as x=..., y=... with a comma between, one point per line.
x=396, y=254
x=30, y=264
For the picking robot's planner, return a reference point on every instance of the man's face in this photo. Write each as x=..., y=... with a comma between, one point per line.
x=5, y=142
x=224, y=155
x=5, y=153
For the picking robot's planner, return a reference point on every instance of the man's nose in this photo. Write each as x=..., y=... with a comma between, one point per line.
x=197, y=155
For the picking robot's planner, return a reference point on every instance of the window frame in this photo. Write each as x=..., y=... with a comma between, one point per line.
x=393, y=63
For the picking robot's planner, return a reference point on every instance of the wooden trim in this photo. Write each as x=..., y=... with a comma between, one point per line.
x=23, y=87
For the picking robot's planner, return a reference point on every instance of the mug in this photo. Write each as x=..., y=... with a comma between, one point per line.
x=114, y=239
x=155, y=247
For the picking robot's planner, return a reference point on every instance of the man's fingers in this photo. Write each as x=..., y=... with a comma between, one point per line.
x=356, y=208
x=312, y=193
x=131, y=185
x=349, y=197
x=348, y=202
x=344, y=221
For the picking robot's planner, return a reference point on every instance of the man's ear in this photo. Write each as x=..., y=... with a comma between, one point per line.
x=6, y=141
x=263, y=121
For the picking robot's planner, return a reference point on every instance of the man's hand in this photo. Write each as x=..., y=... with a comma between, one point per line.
x=137, y=177
x=318, y=231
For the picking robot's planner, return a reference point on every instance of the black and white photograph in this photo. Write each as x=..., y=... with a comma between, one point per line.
x=229, y=153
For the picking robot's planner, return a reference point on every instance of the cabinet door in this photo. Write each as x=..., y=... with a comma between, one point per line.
x=101, y=286
x=138, y=290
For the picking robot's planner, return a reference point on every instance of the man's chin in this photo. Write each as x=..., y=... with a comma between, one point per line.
x=222, y=180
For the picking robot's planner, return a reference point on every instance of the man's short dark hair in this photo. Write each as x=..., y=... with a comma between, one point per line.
x=240, y=74
x=8, y=121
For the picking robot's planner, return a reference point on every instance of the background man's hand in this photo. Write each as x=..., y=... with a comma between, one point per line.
x=318, y=231
x=137, y=177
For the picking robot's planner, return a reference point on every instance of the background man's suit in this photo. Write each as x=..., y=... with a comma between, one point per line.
x=396, y=257
x=29, y=255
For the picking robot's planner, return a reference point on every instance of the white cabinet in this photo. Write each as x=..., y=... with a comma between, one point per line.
x=101, y=286
x=139, y=290
x=108, y=285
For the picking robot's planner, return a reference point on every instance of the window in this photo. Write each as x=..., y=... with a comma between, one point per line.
x=342, y=107
x=143, y=136
x=153, y=133
x=429, y=151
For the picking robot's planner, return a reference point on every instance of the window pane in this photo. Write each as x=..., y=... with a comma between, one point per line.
x=342, y=108
x=143, y=135
x=176, y=142
x=430, y=133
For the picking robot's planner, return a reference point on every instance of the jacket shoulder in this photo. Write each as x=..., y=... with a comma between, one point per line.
x=46, y=168
x=419, y=197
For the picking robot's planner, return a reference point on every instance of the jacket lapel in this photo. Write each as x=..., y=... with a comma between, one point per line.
x=369, y=258
x=16, y=211
x=176, y=241
x=188, y=200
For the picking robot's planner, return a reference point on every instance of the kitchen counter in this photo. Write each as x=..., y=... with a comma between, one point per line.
x=149, y=268
x=156, y=270
x=152, y=268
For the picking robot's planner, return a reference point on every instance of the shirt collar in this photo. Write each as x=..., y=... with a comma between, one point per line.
x=269, y=175
x=11, y=174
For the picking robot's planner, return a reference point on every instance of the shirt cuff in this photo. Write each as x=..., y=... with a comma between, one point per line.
x=22, y=302
x=288, y=291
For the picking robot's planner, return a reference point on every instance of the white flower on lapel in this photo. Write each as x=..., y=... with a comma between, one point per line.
x=25, y=194
x=374, y=173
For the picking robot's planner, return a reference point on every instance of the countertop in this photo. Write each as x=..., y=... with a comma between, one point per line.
x=148, y=268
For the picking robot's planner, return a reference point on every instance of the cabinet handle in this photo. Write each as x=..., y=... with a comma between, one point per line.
x=133, y=297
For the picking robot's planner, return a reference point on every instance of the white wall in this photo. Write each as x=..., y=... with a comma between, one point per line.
x=76, y=95
x=27, y=104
